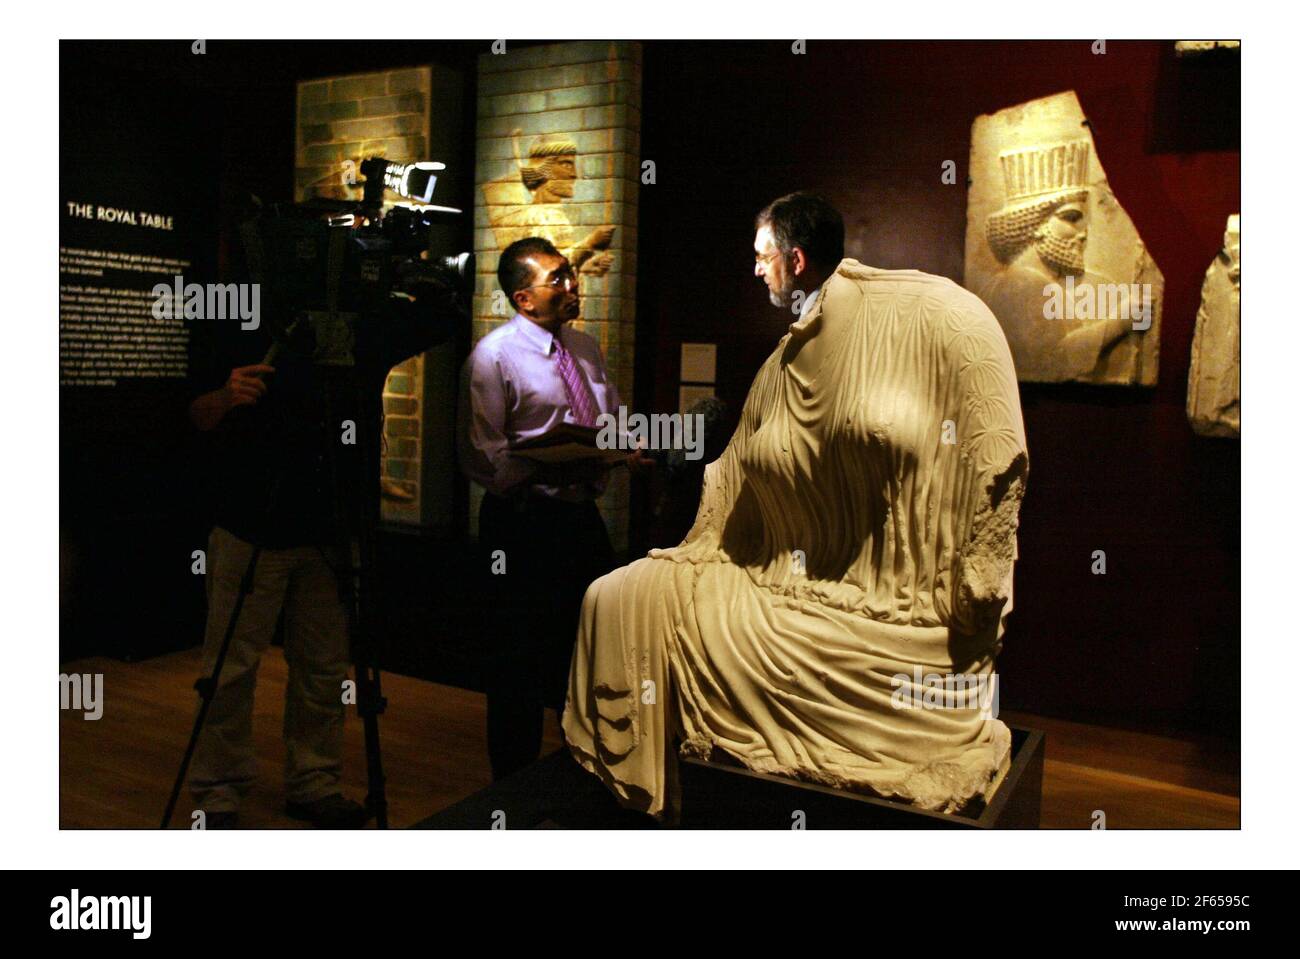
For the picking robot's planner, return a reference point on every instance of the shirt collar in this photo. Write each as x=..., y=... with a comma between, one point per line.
x=539, y=338
x=809, y=317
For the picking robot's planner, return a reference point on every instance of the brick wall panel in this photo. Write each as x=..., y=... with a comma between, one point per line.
x=350, y=118
x=589, y=93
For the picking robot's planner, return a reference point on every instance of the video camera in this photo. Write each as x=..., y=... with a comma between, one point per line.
x=335, y=273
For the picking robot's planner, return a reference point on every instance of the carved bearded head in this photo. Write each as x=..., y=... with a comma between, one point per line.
x=552, y=169
x=1046, y=208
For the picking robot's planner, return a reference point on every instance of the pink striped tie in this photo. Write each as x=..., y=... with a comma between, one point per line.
x=576, y=389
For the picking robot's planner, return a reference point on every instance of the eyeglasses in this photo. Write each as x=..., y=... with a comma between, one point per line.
x=762, y=259
x=564, y=280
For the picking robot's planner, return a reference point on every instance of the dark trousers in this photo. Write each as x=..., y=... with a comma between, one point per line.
x=539, y=555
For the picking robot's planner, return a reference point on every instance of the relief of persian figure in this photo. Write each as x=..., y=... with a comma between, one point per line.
x=533, y=205
x=1052, y=253
x=1214, y=380
x=1041, y=236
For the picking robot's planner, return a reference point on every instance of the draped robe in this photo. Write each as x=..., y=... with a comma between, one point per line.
x=860, y=524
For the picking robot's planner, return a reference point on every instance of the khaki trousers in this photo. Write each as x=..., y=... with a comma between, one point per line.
x=300, y=582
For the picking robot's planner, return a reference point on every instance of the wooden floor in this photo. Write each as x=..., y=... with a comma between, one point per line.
x=117, y=771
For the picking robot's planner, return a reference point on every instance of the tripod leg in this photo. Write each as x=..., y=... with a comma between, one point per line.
x=207, y=686
x=370, y=699
x=371, y=703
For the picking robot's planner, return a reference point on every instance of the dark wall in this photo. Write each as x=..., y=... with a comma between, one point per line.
x=1154, y=643
x=126, y=465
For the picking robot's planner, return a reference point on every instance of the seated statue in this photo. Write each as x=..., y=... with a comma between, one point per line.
x=856, y=535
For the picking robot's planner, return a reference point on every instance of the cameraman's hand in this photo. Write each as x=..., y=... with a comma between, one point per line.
x=245, y=385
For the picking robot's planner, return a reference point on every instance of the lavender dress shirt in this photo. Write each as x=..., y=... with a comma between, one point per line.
x=511, y=390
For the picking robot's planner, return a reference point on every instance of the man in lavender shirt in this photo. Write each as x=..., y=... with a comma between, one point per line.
x=522, y=379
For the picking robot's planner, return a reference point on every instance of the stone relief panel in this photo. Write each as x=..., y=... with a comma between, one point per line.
x=1214, y=380
x=1054, y=255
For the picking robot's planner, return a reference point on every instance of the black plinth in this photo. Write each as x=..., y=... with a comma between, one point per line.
x=555, y=792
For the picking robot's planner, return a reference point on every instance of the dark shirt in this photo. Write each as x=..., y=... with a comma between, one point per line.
x=268, y=477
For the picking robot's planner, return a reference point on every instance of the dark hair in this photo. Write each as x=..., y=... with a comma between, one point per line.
x=809, y=222
x=512, y=272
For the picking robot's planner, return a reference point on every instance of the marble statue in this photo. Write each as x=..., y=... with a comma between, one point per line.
x=1214, y=381
x=854, y=540
x=1054, y=255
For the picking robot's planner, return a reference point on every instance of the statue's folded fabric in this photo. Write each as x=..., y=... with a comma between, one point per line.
x=854, y=543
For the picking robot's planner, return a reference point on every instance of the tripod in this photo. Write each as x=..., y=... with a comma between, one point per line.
x=359, y=590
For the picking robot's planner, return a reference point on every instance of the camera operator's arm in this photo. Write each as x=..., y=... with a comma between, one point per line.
x=244, y=387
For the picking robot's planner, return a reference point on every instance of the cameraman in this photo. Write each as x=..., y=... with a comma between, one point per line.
x=277, y=432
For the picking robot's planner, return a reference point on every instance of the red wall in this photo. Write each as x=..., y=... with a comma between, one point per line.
x=1152, y=644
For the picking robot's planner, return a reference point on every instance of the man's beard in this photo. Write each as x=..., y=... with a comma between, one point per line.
x=1064, y=257
x=783, y=295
